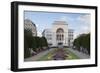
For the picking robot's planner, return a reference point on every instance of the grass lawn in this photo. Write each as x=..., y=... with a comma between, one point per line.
x=71, y=56
x=47, y=57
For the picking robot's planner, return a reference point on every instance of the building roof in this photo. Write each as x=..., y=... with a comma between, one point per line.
x=27, y=21
x=60, y=22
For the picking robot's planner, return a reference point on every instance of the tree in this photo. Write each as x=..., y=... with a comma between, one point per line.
x=44, y=42
x=26, y=49
x=34, y=42
x=83, y=41
x=28, y=36
x=27, y=43
x=39, y=43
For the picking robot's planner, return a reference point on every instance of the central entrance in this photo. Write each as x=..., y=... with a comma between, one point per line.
x=60, y=37
x=60, y=45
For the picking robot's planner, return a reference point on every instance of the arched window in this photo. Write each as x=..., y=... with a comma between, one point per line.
x=60, y=30
x=60, y=34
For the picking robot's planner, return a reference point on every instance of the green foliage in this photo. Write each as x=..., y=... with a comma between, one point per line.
x=26, y=50
x=83, y=41
x=27, y=43
x=43, y=42
x=33, y=42
x=39, y=42
x=28, y=36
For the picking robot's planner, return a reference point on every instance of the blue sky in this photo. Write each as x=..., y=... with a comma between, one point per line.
x=79, y=22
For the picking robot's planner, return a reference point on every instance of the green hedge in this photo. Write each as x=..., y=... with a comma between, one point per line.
x=83, y=41
x=33, y=42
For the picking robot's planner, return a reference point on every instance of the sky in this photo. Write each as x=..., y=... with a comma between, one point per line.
x=79, y=22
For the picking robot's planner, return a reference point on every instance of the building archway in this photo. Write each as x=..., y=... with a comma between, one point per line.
x=60, y=36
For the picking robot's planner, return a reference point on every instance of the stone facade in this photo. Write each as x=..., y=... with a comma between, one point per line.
x=59, y=34
x=29, y=25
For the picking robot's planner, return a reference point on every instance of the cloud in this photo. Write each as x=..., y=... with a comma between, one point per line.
x=84, y=19
x=84, y=25
x=63, y=18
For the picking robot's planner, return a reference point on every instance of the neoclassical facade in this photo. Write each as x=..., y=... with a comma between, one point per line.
x=29, y=25
x=59, y=34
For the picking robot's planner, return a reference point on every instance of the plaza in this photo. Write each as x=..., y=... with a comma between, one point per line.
x=49, y=55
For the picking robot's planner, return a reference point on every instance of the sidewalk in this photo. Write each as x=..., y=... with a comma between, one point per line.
x=36, y=57
x=79, y=54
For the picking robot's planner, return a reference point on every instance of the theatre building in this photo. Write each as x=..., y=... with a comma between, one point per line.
x=59, y=34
